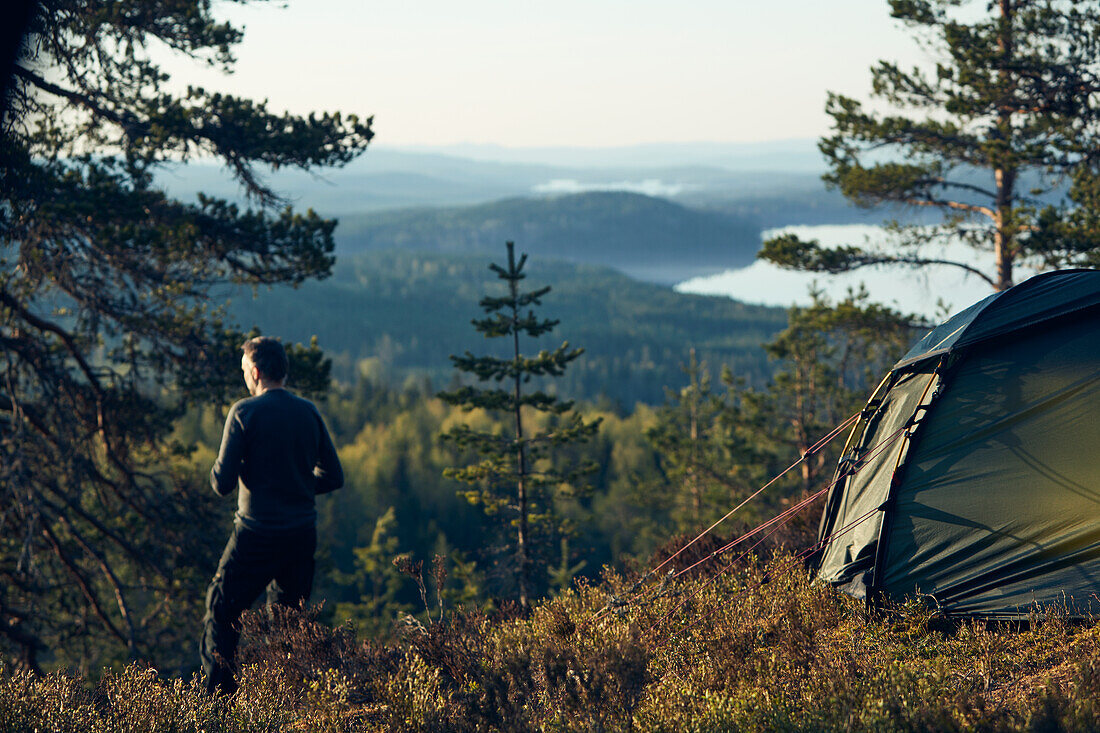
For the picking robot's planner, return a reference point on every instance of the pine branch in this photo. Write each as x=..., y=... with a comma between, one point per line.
x=790, y=252
x=82, y=582
x=946, y=204
x=112, y=579
x=83, y=100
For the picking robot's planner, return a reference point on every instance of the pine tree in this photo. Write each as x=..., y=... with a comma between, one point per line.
x=1000, y=140
x=718, y=447
x=703, y=455
x=374, y=584
x=513, y=474
x=106, y=329
x=829, y=358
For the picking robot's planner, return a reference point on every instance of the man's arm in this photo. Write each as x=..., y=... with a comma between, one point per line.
x=227, y=467
x=328, y=472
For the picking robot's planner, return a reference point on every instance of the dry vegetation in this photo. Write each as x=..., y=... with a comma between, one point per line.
x=759, y=649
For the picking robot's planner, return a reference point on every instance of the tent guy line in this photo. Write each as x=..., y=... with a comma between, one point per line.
x=749, y=589
x=779, y=521
x=809, y=452
x=615, y=602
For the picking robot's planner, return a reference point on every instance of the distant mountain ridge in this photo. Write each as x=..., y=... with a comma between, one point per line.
x=792, y=155
x=774, y=183
x=648, y=238
x=390, y=177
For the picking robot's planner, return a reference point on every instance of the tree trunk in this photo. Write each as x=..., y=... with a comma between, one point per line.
x=521, y=451
x=1004, y=171
x=1003, y=235
x=693, y=434
x=806, y=411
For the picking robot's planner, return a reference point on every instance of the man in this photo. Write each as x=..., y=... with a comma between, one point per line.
x=278, y=455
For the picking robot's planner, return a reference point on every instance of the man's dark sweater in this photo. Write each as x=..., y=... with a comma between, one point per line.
x=277, y=450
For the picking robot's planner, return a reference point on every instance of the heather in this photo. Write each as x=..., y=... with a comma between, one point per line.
x=756, y=648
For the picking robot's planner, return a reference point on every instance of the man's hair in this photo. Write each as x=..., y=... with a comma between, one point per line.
x=269, y=356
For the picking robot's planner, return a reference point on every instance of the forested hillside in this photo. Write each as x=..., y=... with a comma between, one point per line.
x=649, y=238
x=400, y=313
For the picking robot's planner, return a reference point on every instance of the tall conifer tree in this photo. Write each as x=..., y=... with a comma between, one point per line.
x=1000, y=138
x=512, y=476
x=106, y=333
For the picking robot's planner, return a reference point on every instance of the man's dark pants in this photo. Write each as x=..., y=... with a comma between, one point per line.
x=281, y=562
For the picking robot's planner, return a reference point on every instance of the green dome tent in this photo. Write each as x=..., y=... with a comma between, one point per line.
x=973, y=475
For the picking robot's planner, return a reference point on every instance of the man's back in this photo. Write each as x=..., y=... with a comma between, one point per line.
x=278, y=447
x=277, y=452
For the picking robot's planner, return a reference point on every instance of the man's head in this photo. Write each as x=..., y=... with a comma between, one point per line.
x=264, y=364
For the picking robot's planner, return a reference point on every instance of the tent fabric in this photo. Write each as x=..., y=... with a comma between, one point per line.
x=852, y=554
x=1043, y=297
x=1001, y=498
x=1040, y=299
x=991, y=504
x=942, y=338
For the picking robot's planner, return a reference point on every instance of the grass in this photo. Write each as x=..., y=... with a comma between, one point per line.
x=759, y=649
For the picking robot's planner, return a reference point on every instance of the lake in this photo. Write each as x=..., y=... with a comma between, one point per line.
x=913, y=291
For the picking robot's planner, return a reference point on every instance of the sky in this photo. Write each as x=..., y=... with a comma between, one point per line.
x=585, y=73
